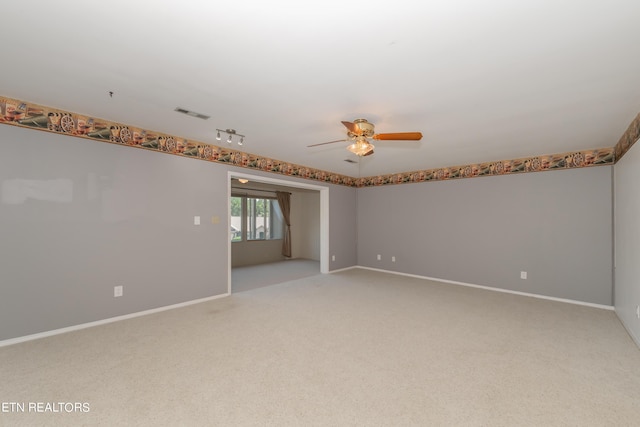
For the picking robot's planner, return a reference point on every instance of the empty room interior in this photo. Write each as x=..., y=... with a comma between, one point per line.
x=320, y=213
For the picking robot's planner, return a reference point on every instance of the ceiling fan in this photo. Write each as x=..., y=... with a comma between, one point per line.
x=361, y=129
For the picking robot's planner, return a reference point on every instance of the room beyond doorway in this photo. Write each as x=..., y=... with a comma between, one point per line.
x=308, y=215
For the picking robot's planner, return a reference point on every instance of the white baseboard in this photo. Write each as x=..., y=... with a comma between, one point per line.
x=32, y=337
x=489, y=288
x=25, y=338
x=343, y=269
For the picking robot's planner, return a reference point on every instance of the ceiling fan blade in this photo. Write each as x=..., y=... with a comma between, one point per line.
x=325, y=143
x=402, y=136
x=351, y=127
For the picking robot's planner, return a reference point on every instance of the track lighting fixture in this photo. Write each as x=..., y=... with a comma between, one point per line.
x=230, y=133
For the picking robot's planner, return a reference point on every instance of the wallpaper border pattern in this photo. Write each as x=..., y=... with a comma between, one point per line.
x=25, y=114
x=631, y=135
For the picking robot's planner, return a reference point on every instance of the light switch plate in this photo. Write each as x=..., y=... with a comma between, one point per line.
x=196, y=220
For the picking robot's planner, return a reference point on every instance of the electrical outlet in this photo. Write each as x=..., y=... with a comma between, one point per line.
x=196, y=220
x=393, y=259
x=117, y=291
x=333, y=257
x=523, y=274
x=379, y=257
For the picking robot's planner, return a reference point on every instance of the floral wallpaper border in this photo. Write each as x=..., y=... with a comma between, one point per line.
x=631, y=135
x=576, y=159
x=24, y=114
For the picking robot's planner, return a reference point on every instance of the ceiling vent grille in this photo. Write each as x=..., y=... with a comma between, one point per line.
x=192, y=113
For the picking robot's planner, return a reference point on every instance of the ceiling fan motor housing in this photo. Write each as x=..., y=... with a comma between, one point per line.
x=364, y=128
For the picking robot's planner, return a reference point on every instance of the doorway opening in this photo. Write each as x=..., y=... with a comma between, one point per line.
x=256, y=230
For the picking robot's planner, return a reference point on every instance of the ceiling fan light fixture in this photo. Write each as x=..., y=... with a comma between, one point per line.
x=361, y=147
x=361, y=129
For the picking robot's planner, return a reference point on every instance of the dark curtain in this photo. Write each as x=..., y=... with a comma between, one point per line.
x=284, y=200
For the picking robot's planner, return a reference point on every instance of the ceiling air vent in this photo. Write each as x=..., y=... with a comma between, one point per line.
x=192, y=113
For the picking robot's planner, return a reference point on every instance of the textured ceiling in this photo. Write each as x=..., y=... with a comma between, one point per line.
x=482, y=81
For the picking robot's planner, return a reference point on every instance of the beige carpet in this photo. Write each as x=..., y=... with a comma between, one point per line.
x=257, y=276
x=356, y=348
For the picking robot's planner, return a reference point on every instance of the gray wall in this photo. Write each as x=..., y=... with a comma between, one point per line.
x=78, y=217
x=627, y=240
x=305, y=225
x=127, y=220
x=342, y=227
x=256, y=252
x=554, y=225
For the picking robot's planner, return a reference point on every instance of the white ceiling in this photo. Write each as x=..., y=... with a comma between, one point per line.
x=482, y=80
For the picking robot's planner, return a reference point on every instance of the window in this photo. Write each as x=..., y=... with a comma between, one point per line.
x=255, y=218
